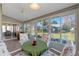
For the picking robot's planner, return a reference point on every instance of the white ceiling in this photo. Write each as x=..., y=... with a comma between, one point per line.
x=22, y=11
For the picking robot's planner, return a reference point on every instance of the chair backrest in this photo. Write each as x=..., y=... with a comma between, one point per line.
x=54, y=51
x=23, y=37
x=45, y=37
x=56, y=47
x=69, y=49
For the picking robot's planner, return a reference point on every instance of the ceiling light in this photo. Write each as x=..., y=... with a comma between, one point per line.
x=35, y=6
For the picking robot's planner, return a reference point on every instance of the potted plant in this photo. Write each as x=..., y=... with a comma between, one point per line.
x=33, y=42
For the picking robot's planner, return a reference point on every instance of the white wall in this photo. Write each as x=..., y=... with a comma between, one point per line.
x=3, y=47
x=0, y=21
x=77, y=39
x=9, y=20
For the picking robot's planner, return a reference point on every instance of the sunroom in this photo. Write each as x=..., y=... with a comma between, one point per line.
x=39, y=29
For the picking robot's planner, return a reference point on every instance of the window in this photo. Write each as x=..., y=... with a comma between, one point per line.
x=28, y=28
x=42, y=29
x=9, y=28
x=39, y=27
x=24, y=28
x=55, y=27
x=68, y=27
x=45, y=30
x=3, y=28
x=63, y=27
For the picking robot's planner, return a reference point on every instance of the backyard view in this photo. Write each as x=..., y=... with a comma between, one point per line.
x=39, y=29
x=61, y=28
x=42, y=29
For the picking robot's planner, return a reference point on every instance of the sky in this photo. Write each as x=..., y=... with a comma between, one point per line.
x=59, y=20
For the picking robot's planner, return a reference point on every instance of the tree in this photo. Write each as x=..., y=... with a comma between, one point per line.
x=55, y=22
x=66, y=26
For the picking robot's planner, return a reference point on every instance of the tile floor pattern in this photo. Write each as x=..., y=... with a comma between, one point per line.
x=20, y=53
x=12, y=45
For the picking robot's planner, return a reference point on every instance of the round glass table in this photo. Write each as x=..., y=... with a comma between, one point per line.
x=36, y=50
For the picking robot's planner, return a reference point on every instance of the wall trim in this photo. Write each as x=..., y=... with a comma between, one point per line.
x=11, y=18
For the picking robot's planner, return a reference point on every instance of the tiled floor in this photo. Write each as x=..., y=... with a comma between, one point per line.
x=20, y=53
x=12, y=45
x=9, y=38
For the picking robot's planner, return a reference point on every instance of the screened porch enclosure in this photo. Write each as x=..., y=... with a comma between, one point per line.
x=59, y=27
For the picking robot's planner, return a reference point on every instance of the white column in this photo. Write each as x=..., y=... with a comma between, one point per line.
x=77, y=31
x=3, y=47
x=0, y=21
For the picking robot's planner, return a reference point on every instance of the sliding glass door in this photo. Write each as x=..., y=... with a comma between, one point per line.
x=9, y=30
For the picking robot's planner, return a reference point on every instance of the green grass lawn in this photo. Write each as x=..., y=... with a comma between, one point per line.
x=68, y=35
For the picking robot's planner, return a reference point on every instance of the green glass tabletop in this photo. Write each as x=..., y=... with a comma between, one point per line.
x=36, y=50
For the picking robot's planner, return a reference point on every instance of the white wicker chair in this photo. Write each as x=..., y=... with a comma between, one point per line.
x=23, y=38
